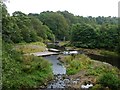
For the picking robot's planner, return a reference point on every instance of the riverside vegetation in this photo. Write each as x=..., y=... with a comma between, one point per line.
x=21, y=71
x=100, y=74
x=23, y=33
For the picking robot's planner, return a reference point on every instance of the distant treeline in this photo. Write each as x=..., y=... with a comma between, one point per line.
x=20, y=71
x=88, y=32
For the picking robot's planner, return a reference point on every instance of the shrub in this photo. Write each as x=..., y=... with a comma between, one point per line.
x=97, y=87
x=110, y=80
x=76, y=63
x=23, y=72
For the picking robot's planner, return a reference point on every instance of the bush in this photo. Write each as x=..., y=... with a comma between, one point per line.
x=97, y=87
x=23, y=72
x=110, y=80
x=76, y=63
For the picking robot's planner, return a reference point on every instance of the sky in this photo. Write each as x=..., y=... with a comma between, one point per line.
x=77, y=7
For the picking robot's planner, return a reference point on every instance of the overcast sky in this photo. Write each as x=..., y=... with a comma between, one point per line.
x=77, y=7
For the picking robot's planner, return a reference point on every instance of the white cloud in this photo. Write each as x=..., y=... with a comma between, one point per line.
x=77, y=7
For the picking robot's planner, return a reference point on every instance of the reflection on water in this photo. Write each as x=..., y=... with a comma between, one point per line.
x=57, y=67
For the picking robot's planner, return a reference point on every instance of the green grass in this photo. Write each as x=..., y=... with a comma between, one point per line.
x=76, y=63
x=110, y=80
x=100, y=69
x=81, y=62
x=21, y=71
x=104, y=74
x=109, y=53
x=30, y=47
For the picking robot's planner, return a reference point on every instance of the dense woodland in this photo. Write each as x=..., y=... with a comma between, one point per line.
x=85, y=32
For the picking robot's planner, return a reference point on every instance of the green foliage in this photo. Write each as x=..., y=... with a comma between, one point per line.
x=81, y=62
x=29, y=71
x=98, y=68
x=97, y=87
x=23, y=71
x=89, y=36
x=41, y=30
x=30, y=47
x=74, y=67
x=56, y=22
x=87, y=32
x=83, y=35
x=110, y=80
x=21, y=27
x=76, y=63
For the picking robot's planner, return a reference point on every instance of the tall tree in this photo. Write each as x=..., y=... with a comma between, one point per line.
x=56, y=22
x=83, y=35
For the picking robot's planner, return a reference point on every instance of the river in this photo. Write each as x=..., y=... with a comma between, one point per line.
x=57, y=66
x=58, y=70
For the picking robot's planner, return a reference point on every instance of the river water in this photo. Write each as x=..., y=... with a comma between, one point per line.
x=58, y=70
x=57, y=66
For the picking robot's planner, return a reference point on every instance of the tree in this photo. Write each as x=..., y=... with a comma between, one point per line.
x=42, y=31
x=83, y=35
x=24, y=24
x=56, y=22
x=108, y=36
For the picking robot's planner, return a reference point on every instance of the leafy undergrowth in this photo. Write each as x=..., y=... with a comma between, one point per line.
x=95, y=71
x=30, y=47
x=109, y=80
x=23, y=71
x=76, y=63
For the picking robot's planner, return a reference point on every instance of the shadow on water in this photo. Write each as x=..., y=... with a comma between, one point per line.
x=115, y=61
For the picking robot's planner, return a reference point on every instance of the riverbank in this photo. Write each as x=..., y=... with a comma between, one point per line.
x=80, y=68
x=102, y=55
x=23, y=72
x=95, y=51
x=84, y=69
x=33, y=47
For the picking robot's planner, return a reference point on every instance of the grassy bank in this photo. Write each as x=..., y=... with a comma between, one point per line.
x=30, y=47
x=81, y=66
x=21, y=71
x=75, y=63
x=79, y=62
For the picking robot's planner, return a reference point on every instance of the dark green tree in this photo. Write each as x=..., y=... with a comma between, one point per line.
x=83, y=35
x=56, y=22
